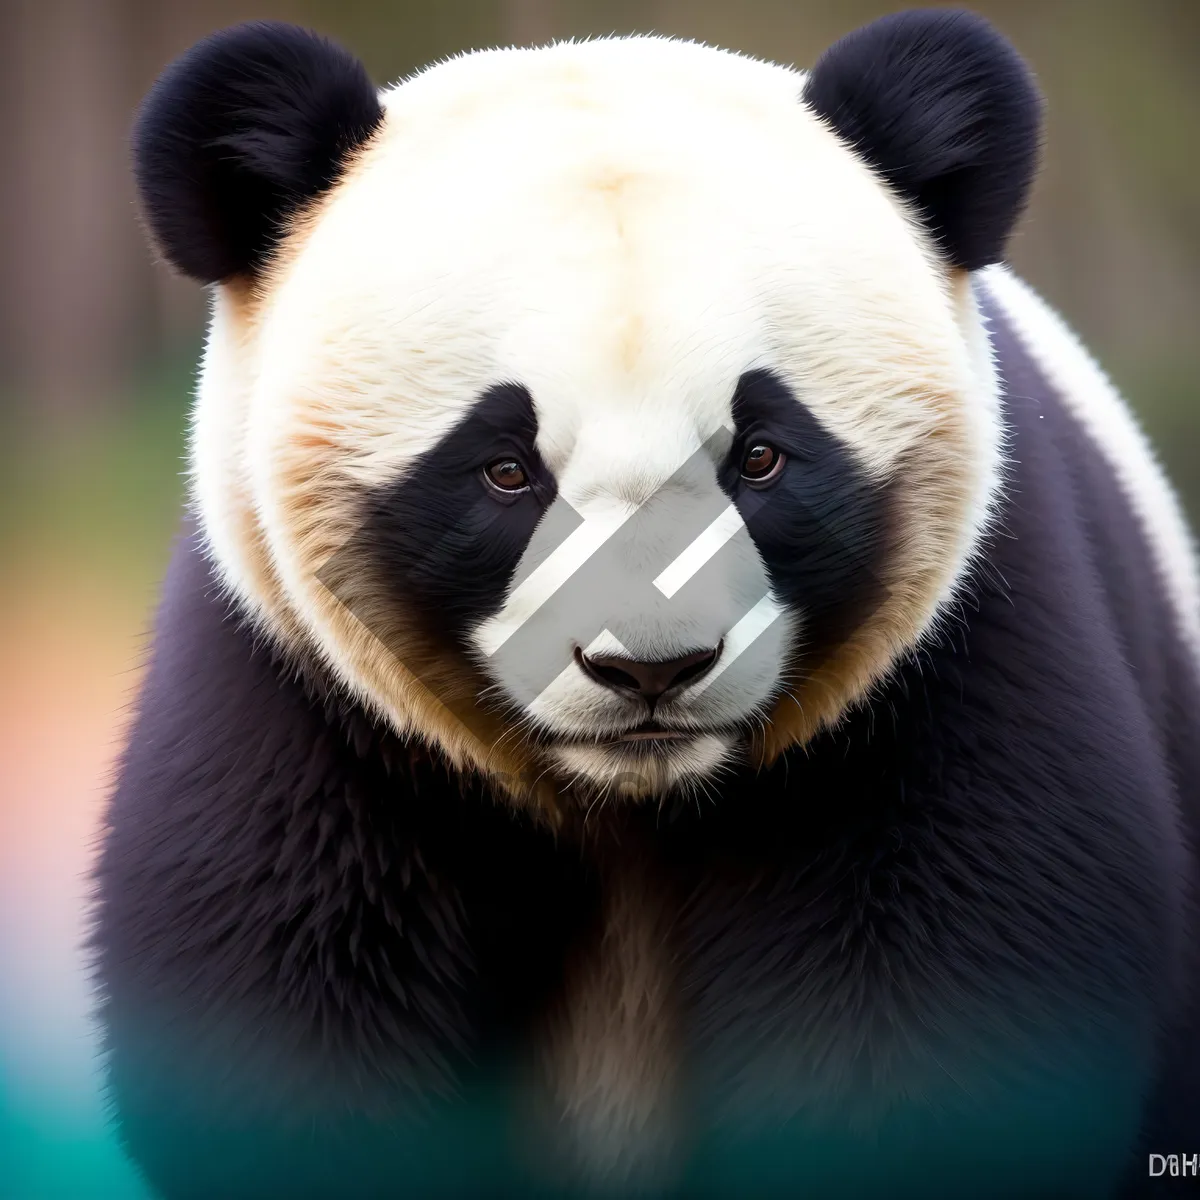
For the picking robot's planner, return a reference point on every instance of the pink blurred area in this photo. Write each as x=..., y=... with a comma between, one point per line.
x=70, y=653
x=70, y=663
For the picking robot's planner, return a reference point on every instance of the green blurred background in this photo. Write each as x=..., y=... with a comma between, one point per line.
x=98, y=346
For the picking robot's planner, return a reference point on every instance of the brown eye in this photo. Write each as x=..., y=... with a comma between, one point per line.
x=506, y=474
x=762, y=462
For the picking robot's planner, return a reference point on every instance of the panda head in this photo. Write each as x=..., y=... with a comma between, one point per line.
x=603, y=413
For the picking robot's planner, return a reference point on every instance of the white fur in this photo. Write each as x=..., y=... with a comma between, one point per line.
x=1094, y=401
x=218, y=467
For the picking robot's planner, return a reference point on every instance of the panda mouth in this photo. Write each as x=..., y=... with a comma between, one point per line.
x=648, y=731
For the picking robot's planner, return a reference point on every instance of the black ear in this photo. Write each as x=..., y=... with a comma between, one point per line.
x=238, y=134
x=948, y=113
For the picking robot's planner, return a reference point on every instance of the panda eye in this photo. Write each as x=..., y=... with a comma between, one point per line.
x=762, y=463
x=506, y=475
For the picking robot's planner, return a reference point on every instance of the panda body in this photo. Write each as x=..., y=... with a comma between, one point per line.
x=926, y=932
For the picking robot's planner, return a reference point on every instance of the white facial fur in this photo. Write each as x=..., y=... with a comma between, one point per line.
x=625, y=227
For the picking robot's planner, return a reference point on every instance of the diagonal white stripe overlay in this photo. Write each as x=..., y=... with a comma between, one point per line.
x=740, y=638
x=700, y=551
x=540, y=585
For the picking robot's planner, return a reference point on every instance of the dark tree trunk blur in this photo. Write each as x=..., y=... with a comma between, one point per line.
x=72, y=294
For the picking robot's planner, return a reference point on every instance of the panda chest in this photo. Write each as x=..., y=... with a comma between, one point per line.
x=700, y=1053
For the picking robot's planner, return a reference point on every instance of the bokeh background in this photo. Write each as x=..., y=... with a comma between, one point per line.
x=98, y=345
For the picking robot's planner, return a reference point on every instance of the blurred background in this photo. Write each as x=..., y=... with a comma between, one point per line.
x=98, y=346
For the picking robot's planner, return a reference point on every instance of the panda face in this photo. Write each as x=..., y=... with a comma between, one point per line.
x=606, y=420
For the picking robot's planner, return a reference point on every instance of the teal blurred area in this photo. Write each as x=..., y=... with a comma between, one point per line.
x=49, y=1153
x=98, y=345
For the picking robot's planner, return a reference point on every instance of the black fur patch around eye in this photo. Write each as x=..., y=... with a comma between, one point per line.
x=821, y=526
x=238, y=134
x=441, y=540
x=947, y=112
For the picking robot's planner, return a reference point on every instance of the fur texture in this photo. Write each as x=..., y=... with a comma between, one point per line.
x=964, y=910
x=908, y=906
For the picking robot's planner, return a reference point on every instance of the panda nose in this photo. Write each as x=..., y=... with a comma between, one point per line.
x=648, y=680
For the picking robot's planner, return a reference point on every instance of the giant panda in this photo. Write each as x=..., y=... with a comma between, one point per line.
x=678, y=676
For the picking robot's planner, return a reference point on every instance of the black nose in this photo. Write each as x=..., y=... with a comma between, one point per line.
x=649, y=680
